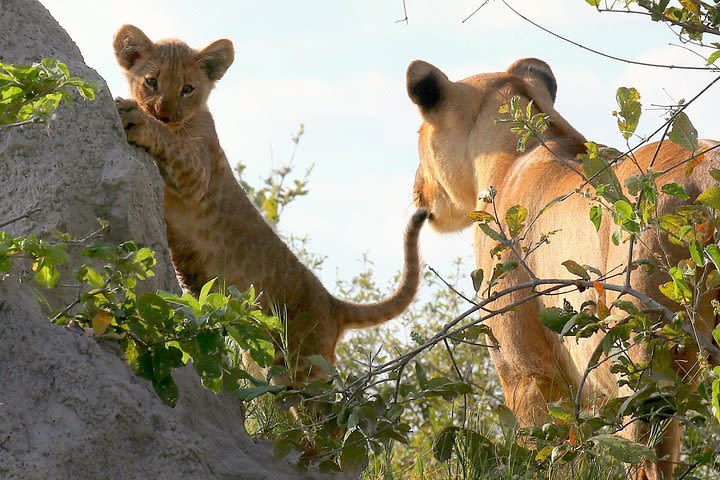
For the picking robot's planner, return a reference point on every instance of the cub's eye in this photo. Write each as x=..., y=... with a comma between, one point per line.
x=151, y=82
x=187, y=89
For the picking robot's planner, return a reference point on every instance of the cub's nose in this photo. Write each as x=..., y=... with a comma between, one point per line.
x=163, y=119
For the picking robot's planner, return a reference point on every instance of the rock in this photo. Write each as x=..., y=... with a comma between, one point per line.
x=79, y=167
x=70, y=407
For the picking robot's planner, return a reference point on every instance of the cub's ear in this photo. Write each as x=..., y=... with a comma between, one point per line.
x=131, y=45
x=216, y=58
x=426, y=85
x=538, y=74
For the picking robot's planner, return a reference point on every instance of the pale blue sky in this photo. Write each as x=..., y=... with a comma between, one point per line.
x=338, y=66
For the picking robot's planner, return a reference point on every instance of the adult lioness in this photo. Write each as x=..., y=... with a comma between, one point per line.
x=462, y=151
x=213, y=228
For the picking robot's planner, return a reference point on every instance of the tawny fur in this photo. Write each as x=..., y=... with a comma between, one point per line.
x=462, y=151
x=213, y=228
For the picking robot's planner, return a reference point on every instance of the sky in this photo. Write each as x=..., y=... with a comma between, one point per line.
x=338, y=68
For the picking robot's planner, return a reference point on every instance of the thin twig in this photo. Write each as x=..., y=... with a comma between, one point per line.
x=19, y=217
x=607, y=55
x=454, y=290
x=698, y=28
x=475, y=11
x=407, y=22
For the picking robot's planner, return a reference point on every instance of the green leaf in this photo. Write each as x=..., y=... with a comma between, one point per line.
x=557, y=410
x=683, y=133
x=716, y=399
x=716, y=334
x=623, y=449
x=320, y=362
x=675, y=190
x=480, y=216
x=421, y=376
x=600, y=173
x=501, y=269
x=167, y=390
x=205, y=291
x=354, y=455
x=594, y=3
x=90, y=276
x=254, y=341
x=576, y=269
x=490, y=232
x=715, y=174
x=624, y=210
x=477, y=278
x=710, y=197
x=514, y=217
x=5, y=263
x=154, y=309
x=247, y=394
x=713, y=251
x=696, y=253
x=630, y=110
x=444, y=443
x=713, y=279
x=47, y=276
x=626, y=306
x=713, y=57
x=207, y=358
x=555, y=318
x=678, y=289
x=596, y=216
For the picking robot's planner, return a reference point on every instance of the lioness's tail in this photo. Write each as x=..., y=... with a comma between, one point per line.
x=356, y=315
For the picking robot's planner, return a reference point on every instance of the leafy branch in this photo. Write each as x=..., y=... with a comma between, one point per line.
x=31, y=93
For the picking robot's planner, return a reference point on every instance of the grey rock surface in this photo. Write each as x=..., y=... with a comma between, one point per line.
x=79, y=167
x=70, y=407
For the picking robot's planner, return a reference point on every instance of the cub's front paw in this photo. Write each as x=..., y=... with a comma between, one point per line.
x=134, y=121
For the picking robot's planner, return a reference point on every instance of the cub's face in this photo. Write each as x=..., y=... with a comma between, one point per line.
x=169, y=80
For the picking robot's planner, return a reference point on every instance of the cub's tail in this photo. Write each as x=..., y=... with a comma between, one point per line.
x=356, y=315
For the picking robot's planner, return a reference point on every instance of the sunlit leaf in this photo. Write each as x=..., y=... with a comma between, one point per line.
x=710, y=197
x=514, y=217
x=576, y=269
x=596, y=216
x=477, y=278
x=628, y=116
x=480, y=216
x=599, y=173
x=675, y=190
x=683, y=133
x=696, y=253
x=101, y=321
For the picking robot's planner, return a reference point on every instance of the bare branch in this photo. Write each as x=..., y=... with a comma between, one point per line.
x=405, y=19
x=19, y=217
x=475, y=11
x=607, y=55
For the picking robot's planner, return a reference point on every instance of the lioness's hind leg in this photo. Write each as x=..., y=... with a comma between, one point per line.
x=528, y=396
x=667, y=450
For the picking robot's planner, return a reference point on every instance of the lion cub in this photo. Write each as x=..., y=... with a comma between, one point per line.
x=213, y=228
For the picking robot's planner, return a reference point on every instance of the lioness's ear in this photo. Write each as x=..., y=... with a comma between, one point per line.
x=538, y=74
x=426, y=85
x=130, y=44
x=216, y=58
